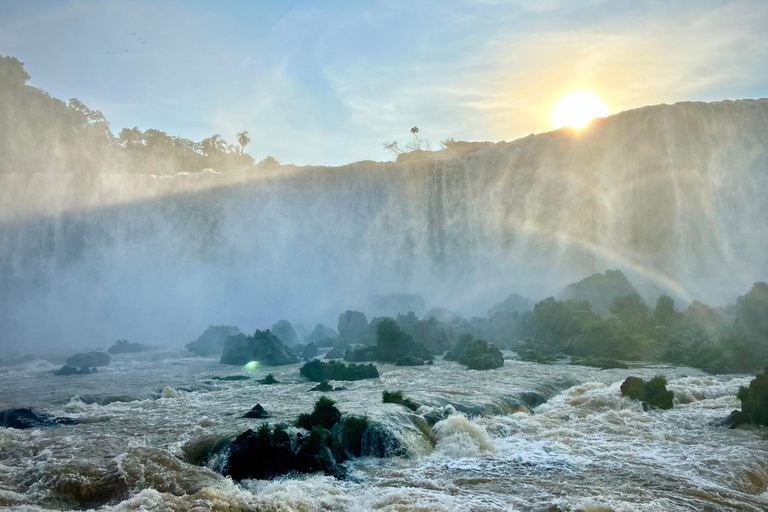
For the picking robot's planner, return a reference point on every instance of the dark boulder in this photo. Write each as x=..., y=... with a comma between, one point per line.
x=323, y=387
x=476, y=354
x=71, y=370
x=263, y=347
x=28, y=418
x=322, y=333
x=735, y=419
x=285, y=332
x=125, y=347
x=379, y=441
x=321, y=451
x=89, y=359
x=653, y=394
x=754, y=400
x=363, y=354
x=319, y=371
x=353, y=327
x=261, y=454
x=337, y=352
x=410, y=361
x=310, y=351
x=231, y=378
x=257, y=412
x=393, y=343
x=211, y=342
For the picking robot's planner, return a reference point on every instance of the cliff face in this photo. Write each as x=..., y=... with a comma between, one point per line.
x=674, y=196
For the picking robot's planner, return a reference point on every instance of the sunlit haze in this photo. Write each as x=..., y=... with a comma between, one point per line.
x=577, y=108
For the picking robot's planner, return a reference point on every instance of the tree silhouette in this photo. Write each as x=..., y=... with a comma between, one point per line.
x=243, y=140
x=214, y=144
x=415, y=130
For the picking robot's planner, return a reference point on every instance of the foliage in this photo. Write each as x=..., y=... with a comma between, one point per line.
x=325, y=415
x=319, y=371
x=604, y=363
x=653, y=393
x=396, y=397
x=392, y=342
x=269, y=379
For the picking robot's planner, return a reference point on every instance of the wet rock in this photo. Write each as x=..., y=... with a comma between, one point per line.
x=323, y=386
x=211, y=342
x=653, y=394
x=337, y=352
x=309, y=351
x=362, y=354
x=257, y=412
x=231, y=378
x=261, y=454
x=735, y=419
x=125, y=347
x=285, y=332
x=263, y=347
x=378, y=441
x=410, y=361
x=89, y=359
x=71, y=370
x=754, y=400
x=24, y=418
x=319, y=371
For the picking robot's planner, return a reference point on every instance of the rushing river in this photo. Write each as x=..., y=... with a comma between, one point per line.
x=147, y=419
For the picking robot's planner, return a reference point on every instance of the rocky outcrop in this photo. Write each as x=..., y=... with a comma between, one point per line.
x=89, y=359
x=513, y=304
x=444, y=315
x=257, y=412
x=125, y=347
x=28, y=418
x=600, y=290
x=263, y=347
x=285, y=332
x=321, y=333
x=309, y=351
x=319, y=371
x=353, y=328
x=410, y=361
x=331, y=439
x=476, y=354
x=392, y=344
x=754, y=402
x=211, y=342
x=71, y=370
x=653, y=394
x=337, y=352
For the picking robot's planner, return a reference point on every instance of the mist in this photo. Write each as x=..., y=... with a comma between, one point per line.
x=669, y=194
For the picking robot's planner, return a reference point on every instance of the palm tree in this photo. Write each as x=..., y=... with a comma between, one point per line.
x=415, y=130
x=243, y=140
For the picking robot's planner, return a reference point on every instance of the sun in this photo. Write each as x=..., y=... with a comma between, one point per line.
x=577, y=108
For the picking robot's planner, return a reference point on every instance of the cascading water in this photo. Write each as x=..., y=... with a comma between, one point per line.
x=669, y=194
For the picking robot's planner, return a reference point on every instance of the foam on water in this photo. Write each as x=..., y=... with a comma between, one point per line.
x=586, y=447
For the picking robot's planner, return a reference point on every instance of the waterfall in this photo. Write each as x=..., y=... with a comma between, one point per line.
x=673, y=195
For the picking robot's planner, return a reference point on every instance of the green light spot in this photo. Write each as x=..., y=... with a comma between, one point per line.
x=252, y=364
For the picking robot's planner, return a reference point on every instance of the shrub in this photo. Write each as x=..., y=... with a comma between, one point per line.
x=396, y=397
x=318, y=371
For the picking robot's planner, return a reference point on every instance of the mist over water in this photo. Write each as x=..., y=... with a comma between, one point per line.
x=668, y=194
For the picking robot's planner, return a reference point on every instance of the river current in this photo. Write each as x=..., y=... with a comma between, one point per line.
x=148, y=423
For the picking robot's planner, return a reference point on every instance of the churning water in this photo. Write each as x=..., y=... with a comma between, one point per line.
x=149, y=423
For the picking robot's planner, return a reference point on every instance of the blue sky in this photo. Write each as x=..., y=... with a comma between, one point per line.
x=328, y=82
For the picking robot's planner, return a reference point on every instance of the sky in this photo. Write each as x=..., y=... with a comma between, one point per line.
x=328, y=82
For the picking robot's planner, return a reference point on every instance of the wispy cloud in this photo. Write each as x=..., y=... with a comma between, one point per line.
x=328, y=84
